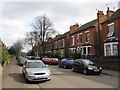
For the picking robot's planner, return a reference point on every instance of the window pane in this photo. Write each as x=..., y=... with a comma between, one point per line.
x=80, y=38
x=87, y=36
x=88, y=50
x=115, y=49
x=111, y=30
x=84, y=50
x=108, y=50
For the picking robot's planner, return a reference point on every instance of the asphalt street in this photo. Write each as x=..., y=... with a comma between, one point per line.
x=60, y=78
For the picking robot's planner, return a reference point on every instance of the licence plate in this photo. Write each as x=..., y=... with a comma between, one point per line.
x=96, y=70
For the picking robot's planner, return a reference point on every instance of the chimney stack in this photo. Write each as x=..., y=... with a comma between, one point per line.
x=109, y=12
x=74, y=27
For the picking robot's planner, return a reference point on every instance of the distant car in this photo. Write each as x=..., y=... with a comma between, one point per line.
x=46, y=60
x=86, y=67
x=54, y=61
x=66, y=63
x=30, y=57
x=35, y=70
x=37, y=58
x=22, y=60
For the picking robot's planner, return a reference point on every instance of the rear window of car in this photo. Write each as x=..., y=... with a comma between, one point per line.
x=55, y=59
x=45, y=58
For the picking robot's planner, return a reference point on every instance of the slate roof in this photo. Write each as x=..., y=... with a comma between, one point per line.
x=113, y=16
x=63, y=36
x=86, y=26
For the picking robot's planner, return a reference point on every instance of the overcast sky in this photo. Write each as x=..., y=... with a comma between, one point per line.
x=15, y=17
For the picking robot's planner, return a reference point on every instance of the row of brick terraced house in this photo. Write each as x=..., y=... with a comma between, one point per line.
x=99, y=37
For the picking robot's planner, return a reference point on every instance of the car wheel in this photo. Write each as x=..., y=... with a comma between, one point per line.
x=73, y=69
x=64, y=66
x=98, y=73
x=85, y=71
x=59, y=66
x=26, y=80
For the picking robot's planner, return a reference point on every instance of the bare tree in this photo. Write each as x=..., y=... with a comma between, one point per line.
x=43, y=29
x=16, y=48
x=30, y=39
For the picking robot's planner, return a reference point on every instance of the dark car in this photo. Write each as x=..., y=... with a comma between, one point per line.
x=54, y=61
x=66, y=63
x=86, y=67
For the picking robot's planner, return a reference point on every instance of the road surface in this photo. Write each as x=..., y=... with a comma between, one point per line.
x=60, y=78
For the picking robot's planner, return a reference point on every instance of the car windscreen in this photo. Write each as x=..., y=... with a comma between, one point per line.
x=35, y=64
x=88, y=62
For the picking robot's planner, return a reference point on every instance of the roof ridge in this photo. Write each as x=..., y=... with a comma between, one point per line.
x=115, y=15
x=85, y=26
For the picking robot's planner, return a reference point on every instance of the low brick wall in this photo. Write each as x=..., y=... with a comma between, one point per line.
x=111, y=64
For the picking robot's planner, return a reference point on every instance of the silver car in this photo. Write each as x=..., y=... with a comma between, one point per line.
x=35, y=70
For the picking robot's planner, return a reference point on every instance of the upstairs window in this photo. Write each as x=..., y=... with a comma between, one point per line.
x=77, y=38
x=80, y=38
x=111, y=30
x=87, y=36
x=56, y=44
x=62, y=42
x=72, y=40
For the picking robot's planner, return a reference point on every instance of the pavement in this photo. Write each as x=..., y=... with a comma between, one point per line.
x=110, y=73
x=0, y=77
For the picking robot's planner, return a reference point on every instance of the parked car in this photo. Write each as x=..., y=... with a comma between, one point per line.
x=35, y=70
x=66, y=63
x=86, y=67
x=46, y=60
x=22, y=60
x=54, y=61
x=30, y=57
x=37, y=58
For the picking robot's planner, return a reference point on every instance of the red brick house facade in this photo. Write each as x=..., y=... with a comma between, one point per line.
x=111, y=35
x=61, y=43
x=97, y=37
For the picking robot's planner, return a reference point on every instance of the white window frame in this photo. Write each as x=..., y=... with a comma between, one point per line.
x=111, y=24
x=78, y=38
x=108, y=28
x=63, y=42
x=111, y=46
x=56, y=44
x=89, y=34
x=73, y=40
x=86, y=49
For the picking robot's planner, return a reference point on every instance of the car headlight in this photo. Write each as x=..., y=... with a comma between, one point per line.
x=90, y=68
x=30, y=73
x=49, y=72
x=100, y=67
